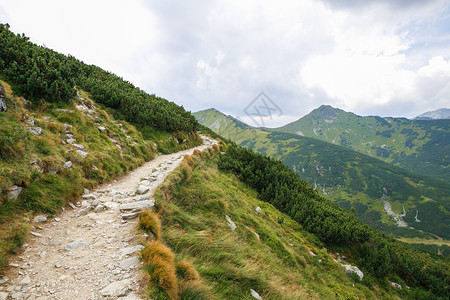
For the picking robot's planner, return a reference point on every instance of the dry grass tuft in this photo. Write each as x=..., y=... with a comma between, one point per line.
x=188, y=159
x=161, y=268
x=187, y=271
x=197, y=153
x=216, y=148
x=150, y=222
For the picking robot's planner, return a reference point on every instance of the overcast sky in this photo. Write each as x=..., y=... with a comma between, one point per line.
x=385, y=57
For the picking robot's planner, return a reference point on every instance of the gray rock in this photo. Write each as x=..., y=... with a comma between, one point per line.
x=131, y=250
x=130, y=296
x=258, y=209
x=25, y=281
x=129, y=263
x=94, y=167
x=35, y=130
x=144, y=182
x=99, y=208
x=142, y=189
x=130, y=216
x=36, y=234
x=231, y=223
x=117, y=288
x=255, y=294
x=68, y=135
x=14, y=192
x=6, y=279
x=2, y=104
x=86, y=191
x=101, y=128
x=66, y=126
x=55, y=242
x=3, y=295
x=396, y=285
x=67, y=165
x=40, y=219
x=89, y=197
x=84, y=211
x=311, y=253
x=349, y=270
x=79, y=146
x=137, y=205
x=18, y=295
x=111, y=205
x=31, y=121
x=71, y=141
x=82, y=153
x=76, y=244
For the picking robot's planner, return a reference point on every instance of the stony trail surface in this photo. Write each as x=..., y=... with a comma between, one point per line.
x=91, y=249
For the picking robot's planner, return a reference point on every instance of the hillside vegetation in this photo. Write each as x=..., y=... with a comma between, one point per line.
x=266, y=251
x=417, y=145
x=41, y=73
x=351, y=179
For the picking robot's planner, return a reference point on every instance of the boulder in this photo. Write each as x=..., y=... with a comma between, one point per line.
x=349, y=270
x=129, y=263
x=396, y=285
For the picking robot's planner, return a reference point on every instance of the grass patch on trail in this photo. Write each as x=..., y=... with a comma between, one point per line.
x=267, y=252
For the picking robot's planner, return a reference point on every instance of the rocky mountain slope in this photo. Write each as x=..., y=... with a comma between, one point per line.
x=419, y=146
x=443, y=113
x=351, y=179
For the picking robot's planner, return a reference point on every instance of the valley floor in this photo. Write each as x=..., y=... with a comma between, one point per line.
x=91, y=251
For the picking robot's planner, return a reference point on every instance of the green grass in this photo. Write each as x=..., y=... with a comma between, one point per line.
x=230, y=263
x=35, y=163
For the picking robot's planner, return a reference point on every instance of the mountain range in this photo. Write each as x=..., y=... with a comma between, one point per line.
x=409, y=205
x=443, y=113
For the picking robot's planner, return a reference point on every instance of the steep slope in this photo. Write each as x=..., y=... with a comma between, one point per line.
x=236, y=243
x=419, y=146
x=352, y=179
x=443, y=113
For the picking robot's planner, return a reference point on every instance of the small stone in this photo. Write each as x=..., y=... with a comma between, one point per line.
x=142, y=189
x=40, y=219
x=258, y=209
x=84, y=211
x=311, y=253
x=71, y=141
x=14, y=192
x=55, y=242
x=25, y=281
x=101, y=128
x=255, y=294
x=36, y=234
x=35, y=130
x=129, y=263
x=3, y=295
x=81, y=147
x=5, y=279
x=131, y=250
x=89, y=197
x=76, y=244
x=231, y=223
x=130, y=216
x=116, y=288
x=396, y=285
x=86, y=191
x=67, y=165
x=98, y=208
x=82, y=153
x=94, y=167
x=144, y=182
x=137, y=205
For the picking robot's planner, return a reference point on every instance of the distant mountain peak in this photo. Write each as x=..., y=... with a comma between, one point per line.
x=327, y=111
x=443, y=113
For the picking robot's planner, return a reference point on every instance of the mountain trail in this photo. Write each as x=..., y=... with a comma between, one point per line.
x=91, y=251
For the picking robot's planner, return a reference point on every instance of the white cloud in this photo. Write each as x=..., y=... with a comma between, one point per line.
x=370, y=58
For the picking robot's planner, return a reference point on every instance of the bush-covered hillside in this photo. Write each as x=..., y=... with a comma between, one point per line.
x=379, y=254
x=41, y=73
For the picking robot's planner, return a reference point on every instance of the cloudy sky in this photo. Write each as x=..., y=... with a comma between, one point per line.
x=385, y=57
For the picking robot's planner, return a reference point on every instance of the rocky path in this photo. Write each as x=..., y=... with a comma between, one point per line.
x=91, y=250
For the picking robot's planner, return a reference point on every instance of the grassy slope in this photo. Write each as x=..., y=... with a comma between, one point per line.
x=47, y=186
x=419, y=146
x=352, y=180
x=193, y=204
